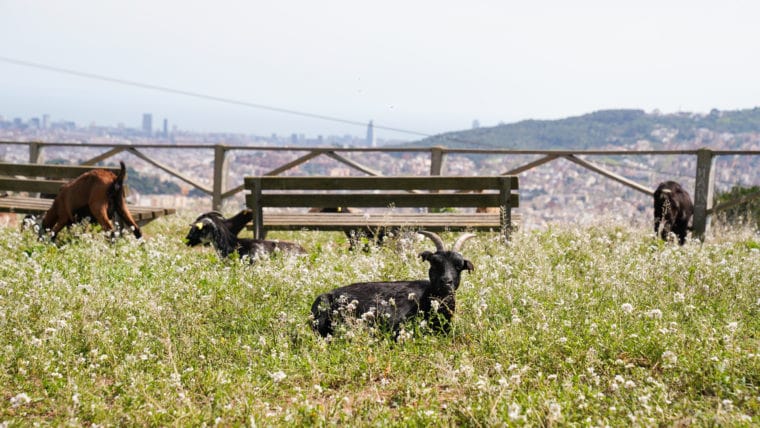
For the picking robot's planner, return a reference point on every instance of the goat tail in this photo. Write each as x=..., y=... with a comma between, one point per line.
x=120, y=202
x=118, y=184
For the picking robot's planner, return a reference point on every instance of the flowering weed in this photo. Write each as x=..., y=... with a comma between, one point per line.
x=579, y=326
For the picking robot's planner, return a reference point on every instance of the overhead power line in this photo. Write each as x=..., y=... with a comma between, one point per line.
x=202, y=96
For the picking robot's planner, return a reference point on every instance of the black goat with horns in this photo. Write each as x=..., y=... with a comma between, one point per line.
x=214, y=229
x=389, y=304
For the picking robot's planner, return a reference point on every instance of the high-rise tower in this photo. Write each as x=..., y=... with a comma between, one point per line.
x=371, y=135
x=147, y=125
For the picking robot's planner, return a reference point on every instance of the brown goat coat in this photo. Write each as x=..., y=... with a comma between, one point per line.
x=90, y=193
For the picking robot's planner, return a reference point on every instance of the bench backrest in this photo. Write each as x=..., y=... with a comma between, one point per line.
x=397, y=191
x=41, y=178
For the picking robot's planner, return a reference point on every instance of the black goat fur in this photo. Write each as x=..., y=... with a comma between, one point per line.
x=673, y=211
x=389, y=304
x=234, y=224
x=212, y=228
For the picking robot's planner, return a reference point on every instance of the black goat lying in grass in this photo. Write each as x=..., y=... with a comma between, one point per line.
x=234, y=224
x=212, y=228
x=389, y=304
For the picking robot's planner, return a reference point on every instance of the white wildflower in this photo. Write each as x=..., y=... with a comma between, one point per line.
x=679, y=297
x=555, y=411
x=627, y=308
x=434, y=305
x=411, y=296
x=670, y=358
x=514, y=412
x=728, y=405
x=655, y=314
x=20, y=399
x=732, y=326
x=278, y=376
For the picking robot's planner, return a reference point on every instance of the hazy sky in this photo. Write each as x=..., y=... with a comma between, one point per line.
x=426, y=66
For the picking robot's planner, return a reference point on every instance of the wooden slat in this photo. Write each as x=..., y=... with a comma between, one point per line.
x=35, y=186
x=400, y=200
x=28, y=205
x=335, y=221
x=47, y=170
x=383, y=183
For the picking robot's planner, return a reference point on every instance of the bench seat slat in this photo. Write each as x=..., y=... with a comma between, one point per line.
x=342, y=221
x=406, y=200
x=39, y=206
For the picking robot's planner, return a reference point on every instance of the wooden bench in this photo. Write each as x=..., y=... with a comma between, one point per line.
x=438, y=192
x=20, y=185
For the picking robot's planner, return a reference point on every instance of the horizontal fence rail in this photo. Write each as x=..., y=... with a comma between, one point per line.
x=219, y=191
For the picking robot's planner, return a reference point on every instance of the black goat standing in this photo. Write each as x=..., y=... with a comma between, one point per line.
x=212, y=228
x=673, y=210
x=389, y=304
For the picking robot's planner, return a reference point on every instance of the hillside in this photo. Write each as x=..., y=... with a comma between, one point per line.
x=600, y=129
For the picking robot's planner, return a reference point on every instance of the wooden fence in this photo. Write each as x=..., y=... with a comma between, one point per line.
x=704, y=174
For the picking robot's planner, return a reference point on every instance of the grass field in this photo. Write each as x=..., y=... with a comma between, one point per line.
x=562, y=327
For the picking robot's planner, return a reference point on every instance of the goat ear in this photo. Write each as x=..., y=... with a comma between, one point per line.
x=426, y=255
x=468, y=265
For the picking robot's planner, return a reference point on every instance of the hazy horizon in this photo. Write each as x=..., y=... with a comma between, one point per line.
x=428, y=67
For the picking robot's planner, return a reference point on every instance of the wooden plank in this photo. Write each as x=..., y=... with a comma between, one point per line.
x=170, y=170
x=28, y=205
x=382, y=183
x=34, y=186
x=48, y=170
x=294, y=163
x=734, y=202
x=381, y=219
x=343, y=222
x=352, y=164
x=400, y=200
x=609, y=174
x=531, y=165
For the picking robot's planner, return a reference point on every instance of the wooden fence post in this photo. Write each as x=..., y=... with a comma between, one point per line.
x=35, y=152
x=436, y=165
x=220, y=176
x=436, y=160
x=703, y=192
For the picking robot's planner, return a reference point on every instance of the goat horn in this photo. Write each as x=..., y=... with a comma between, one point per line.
x=439, y=246
x=462, y=239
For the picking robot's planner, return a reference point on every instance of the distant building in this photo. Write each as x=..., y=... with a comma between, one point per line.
x=475, y=124
x=166, y=128
x=147, y=124
x=45, y=121
x=371, y=142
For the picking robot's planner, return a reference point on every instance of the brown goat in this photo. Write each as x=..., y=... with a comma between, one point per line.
x=97, y=193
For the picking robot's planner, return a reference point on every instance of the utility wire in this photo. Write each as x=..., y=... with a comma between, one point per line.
x=202, y=96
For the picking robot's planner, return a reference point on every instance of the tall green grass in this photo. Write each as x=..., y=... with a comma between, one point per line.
x=566, y=326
